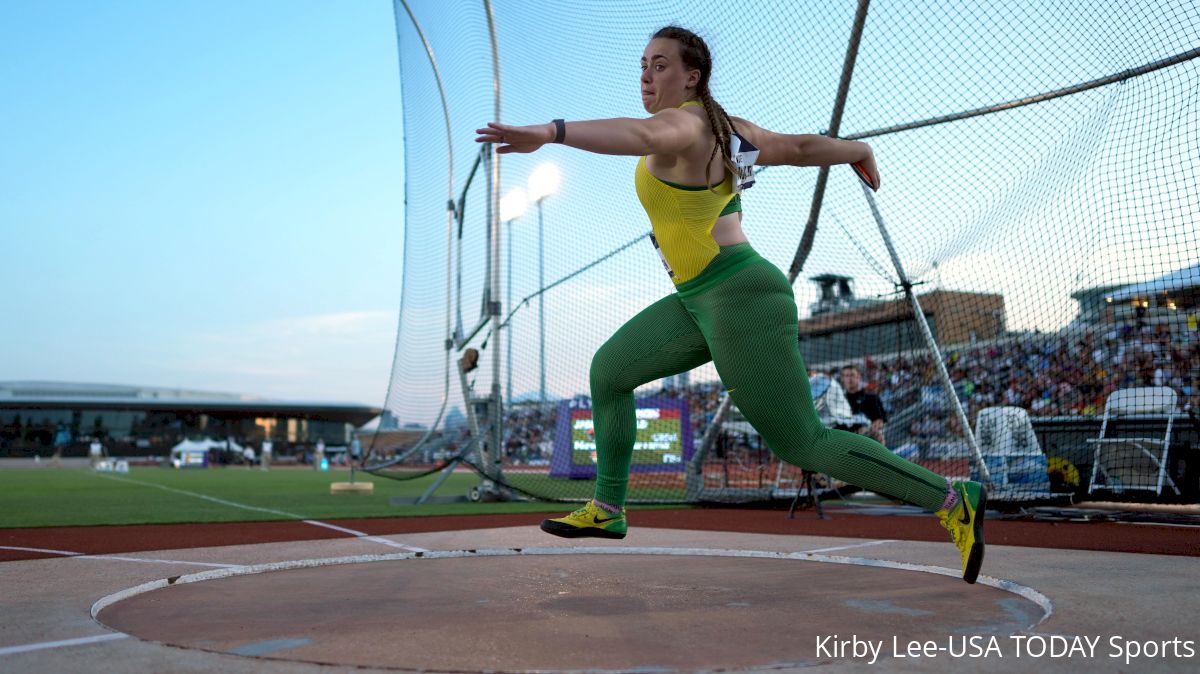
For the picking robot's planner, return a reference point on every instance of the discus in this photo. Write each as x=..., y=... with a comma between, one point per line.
x=862, y=174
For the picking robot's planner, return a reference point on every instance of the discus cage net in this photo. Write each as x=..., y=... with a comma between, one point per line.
x=1038, y=207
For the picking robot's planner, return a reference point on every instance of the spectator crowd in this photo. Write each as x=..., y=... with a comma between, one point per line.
x=1053, y=375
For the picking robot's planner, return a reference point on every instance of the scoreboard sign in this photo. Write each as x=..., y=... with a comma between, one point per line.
x=663, y=442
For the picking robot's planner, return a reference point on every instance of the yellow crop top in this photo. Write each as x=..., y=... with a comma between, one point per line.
x=682, y=218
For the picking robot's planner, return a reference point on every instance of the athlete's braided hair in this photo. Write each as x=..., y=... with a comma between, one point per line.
x=696, y=55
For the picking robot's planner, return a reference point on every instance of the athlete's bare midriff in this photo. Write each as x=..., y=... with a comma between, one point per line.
x=728, y=230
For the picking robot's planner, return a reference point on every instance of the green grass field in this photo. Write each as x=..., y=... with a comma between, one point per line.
x=80, y=497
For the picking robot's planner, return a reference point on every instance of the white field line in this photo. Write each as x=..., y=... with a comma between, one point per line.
x=25, y=648
x=360, y=534
x=847, y=547
x=294, y=516
x=206, y=497
x=394, y=544
x=335, y=527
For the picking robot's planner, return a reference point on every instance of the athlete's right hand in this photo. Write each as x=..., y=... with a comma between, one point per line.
x=867, y=168
x=516, y=138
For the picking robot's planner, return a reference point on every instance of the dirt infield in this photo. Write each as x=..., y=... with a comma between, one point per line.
x=1097, y=536
x=646, y=611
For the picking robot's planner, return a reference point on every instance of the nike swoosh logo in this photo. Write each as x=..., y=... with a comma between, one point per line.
x=966, y=516
x=597, y=520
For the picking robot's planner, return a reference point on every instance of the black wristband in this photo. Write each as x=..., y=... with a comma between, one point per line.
x=560, y=130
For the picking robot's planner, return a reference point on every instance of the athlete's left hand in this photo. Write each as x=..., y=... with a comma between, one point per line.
x=516, y=138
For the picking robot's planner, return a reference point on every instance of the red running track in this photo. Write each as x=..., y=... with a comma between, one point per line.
x=1100, y=536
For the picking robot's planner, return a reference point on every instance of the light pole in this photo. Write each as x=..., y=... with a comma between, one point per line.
x=543, y=182
x=512, y=206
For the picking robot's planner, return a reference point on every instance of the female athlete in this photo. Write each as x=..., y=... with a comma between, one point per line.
x=730, y=306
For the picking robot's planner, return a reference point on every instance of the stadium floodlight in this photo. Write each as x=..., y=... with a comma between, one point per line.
x=544, y=181
x=513, y=204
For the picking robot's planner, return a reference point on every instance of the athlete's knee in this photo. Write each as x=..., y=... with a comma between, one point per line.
x=604, y=373
x=797, y=445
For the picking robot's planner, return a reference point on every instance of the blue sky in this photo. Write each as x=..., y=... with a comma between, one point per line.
x=204, y=195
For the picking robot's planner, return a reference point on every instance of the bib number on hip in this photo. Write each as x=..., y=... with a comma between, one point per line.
x=658, y=249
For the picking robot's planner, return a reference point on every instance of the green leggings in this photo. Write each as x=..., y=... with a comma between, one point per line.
x=739, y=313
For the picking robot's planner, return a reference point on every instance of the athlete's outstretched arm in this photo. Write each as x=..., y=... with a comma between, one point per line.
x=667, y=132
x=807, y=149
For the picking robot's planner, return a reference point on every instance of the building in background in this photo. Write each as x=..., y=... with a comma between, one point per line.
x=143, y=421
x=1173, y=298
x=1168, y=298
x=835, y=293
x=848, y=328
x=1095, y=305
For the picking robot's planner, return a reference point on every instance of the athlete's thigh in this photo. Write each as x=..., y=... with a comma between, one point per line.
x=762, y=368
x=661, y=340
x=751, y=332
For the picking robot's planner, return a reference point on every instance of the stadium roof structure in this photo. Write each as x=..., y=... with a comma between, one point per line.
x=1093, y=291
x=65, y=395
x=1181, y=279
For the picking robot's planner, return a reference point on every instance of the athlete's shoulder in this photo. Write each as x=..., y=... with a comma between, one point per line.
x=688, y=115
x=685, y=128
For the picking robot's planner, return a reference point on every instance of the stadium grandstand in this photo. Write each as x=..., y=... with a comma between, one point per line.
x=37, y=418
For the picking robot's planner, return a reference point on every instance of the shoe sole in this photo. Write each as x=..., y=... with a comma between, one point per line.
x=975, y=559
x=568, y=531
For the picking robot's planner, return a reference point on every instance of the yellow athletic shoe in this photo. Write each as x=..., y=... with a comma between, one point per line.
x=965, y=523
x=590, y=520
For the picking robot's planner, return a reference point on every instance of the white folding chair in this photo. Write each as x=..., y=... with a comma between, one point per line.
x=1134, y=462
x=1010, y=449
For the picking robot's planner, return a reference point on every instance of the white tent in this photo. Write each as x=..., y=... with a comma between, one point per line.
x=188, y=446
